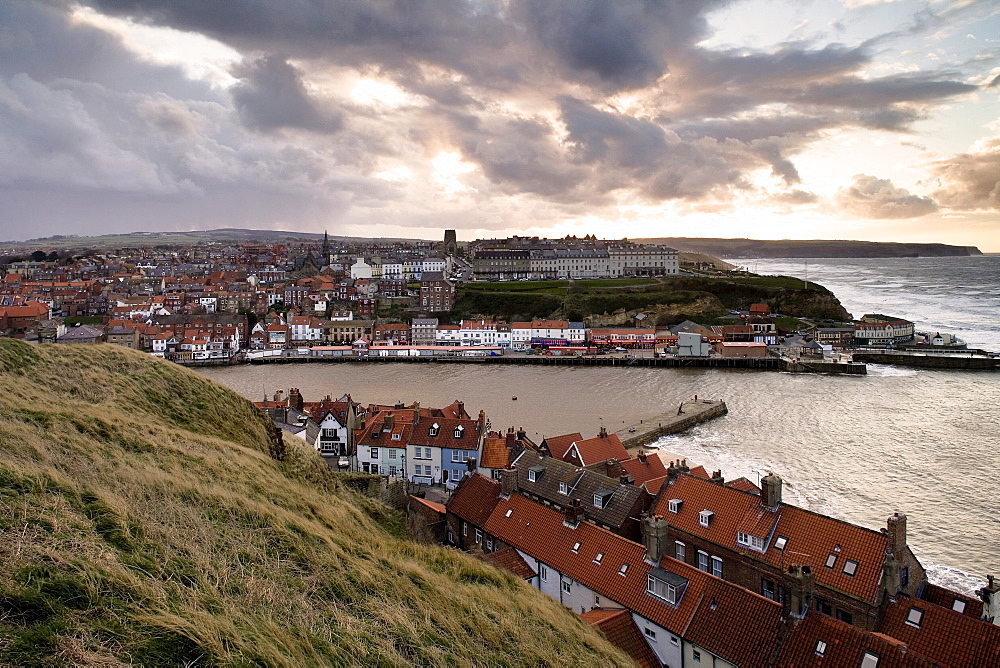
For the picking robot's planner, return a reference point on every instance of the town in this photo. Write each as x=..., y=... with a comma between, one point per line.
x=229, y=303
x=673, y=563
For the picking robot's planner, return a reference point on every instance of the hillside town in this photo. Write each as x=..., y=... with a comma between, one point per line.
x=673, y=563
x=227, y=303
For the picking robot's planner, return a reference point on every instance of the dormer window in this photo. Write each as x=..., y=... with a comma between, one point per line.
x=563, y=488
x=674, y=505
x=435, y=428
x=665, y=585
x=705, y=517
x=602, y=498
x=459, y=430
x=397, y=437
x=535, y=473
x=753, y=542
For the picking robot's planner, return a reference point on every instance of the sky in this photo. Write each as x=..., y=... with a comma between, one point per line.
x=785, y=119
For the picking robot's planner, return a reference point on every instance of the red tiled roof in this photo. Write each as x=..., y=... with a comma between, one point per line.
x=946, y=598
x=644, y=471
x=495, y=453
x=946, y=637
x=558, y=445
x=540, y=532
x=474, y=499
x=445, y=437
x=596, y=450
x=433, y=505
x=743, y=485
x=811, y=536
x=510, y=559
x=843, y=645
x=700, y=472
x=618, y=627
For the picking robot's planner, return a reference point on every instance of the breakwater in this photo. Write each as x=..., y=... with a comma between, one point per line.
x=685, y=416
x=925, y=361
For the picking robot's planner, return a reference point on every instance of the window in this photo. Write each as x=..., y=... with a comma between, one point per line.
x=870, y=660
x=451, y=537
x=374, y=453
x=623, y=569
x=330, y=434
x=696, y=655
x=767, y=589
x=660, y=589
x=958, y=605
x=489, y=544
x=780, y=542
x=510, y=511
x=747, y=540
x=831, y=560
x=465, y=528
x=543, y=571
x=576, y=547
x=397, y=437
x=904, y=576
x=674, y=505
x=532, y=477
x=566, y=587
x=675, y=641
x=427, y=471
x=702, y=561
x=597, y=559
x=820, y=648
x=392, y=453
x=650, y=633
x=845, y=616
x=435, y=428
x=680, y=551
x=717, y=567
x=850, y=568
x=823, y=606
x=705, y=517
x=914, y=617
x=459, y=430
x=563, y=488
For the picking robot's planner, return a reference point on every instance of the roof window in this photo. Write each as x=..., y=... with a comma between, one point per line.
x=958, y=605
x=597, y=559
x=623, y=569
x=850, y=568
x=831, y=560
x=510, y=511
x=780, y=542
x=820, y=648
x=576, y=547
x=705, y=517
x=870, y=660
x=914, y=617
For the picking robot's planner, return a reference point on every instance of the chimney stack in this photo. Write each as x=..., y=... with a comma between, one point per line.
x=471, y=463
x=510, y=440
x=461, y=408
x=390, y=422
x=508, y=482
x=642, y=456
x=574, y=513
x=521, y=433
x=626, y=479
x=717, y=478
x=654, y=536
x=416, y=413
x=801, y=582
x=295, y=399
x=770, y=494
x=613, y=468
x=990, y=595
x=896, y=526
x=603, y=433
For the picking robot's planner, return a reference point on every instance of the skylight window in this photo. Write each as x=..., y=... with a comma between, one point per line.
x=914, y=617
x=780, y=542
x=623, y=569
x=958, y=605
x=576, y=547
x=597, y=559
x=831, y=560
x=870, y=660
x=510, y=511
x=850, y=568
x=820, y=648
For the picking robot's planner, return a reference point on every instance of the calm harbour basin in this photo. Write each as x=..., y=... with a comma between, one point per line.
x=857, y=448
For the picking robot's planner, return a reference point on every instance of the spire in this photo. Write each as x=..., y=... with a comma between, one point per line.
x=326, y=247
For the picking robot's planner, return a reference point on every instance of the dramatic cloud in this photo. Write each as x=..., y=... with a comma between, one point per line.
x=488, y=114
x=271, y=95
x=971, y=181
x=871, y=197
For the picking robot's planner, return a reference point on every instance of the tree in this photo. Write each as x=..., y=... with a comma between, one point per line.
x=38, y=256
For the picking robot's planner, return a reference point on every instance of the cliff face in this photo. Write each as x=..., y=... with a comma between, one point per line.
x=809, y=303
x=785, y=248
x=143, y=521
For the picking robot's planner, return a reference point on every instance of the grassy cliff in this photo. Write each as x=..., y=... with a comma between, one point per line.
x=142, y=522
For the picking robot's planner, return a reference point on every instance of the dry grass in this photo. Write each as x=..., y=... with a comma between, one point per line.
x=142, y=522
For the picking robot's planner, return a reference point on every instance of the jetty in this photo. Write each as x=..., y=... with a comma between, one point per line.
x=686, y=415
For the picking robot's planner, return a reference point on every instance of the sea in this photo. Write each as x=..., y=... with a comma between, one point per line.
x=859, y=448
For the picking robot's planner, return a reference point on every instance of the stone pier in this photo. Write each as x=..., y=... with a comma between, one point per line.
x=684, y=416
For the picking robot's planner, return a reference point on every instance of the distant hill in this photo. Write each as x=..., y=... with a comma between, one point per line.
x=143, y=522
x=762, y=248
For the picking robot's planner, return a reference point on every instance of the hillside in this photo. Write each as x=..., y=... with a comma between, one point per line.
x=143, y=522
x=665, y=301
x=766, y=248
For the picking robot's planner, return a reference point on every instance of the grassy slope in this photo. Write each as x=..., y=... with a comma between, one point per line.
x=142, y=522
